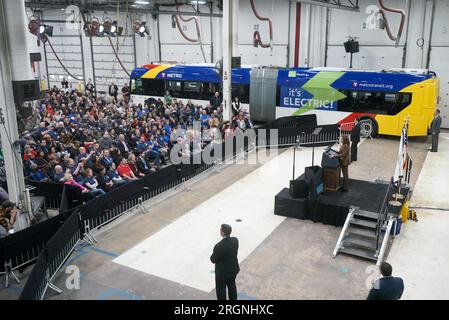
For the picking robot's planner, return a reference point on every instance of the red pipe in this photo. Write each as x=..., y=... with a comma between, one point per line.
x=387, y=26
x=118, y=58
x=297, y=34
x=257, y=39
x=198, y=32
x=45, y=39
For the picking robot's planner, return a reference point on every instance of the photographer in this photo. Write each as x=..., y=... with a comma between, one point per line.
x=8, y=215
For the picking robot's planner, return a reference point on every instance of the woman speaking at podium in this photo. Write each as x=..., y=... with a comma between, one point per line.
x=344, y=154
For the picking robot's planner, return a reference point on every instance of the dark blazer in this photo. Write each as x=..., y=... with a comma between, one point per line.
x=113, y=90
x=215, y=102
x=140, y=164
x=355, y=133
x=121, y=147
x=435, y=126
x=225, y=258
x=345, y=155
x=388, y=288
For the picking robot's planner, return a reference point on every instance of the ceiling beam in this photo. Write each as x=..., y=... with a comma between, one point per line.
x=107, y=7
x=349, y=5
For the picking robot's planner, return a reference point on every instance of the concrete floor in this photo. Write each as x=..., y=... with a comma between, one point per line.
x=293, y=262
x=419, y=255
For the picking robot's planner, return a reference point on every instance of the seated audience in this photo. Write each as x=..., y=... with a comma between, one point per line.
x=92, y=184
x=80, y=139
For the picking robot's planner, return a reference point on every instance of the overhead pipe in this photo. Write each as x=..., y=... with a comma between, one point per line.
x=47, y=40
x=396, y=38
x=257, y=38
x=197, y=26
x=297, y=34
x=118, y=58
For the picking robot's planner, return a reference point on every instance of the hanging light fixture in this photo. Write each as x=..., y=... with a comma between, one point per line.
x=37, y=28
x=140, y=28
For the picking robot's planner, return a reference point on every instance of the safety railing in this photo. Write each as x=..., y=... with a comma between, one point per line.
x=304, y=136
x=50, y=190
x=383, y=248
x=343, y=231
x=366, y=128
x=52, y=258
x=383, y=213
x=105, y=209
x=24, y=247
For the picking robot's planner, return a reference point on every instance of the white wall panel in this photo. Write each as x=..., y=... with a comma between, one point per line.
x=347, y=23
x=439, y=54
x=107, y=66
x=440, y=34
x=439, y=64
x=371, y=57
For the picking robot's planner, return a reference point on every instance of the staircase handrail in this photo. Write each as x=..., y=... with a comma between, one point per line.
x=343, y=231
x=382, y=215
x=385, y=241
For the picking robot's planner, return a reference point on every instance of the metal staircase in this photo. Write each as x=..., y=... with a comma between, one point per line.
x=365, y=234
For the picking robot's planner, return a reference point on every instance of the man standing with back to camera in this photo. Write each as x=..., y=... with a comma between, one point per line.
x=226, y=263
x=387, y=287
x=355, y=139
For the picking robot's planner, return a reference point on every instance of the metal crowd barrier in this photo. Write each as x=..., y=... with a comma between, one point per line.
x=303, y=136
x=50, y=190
x=52, y=258
x=128, y=205
x=24, y=247
x=77, y=227
x=366, y=128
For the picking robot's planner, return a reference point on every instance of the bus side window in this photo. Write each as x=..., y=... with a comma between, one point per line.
x=241, y=91
x=134, y=86
x=150, y=87
x=278, y=96
x=207, y=91
x=175, y=88
x=192, y=90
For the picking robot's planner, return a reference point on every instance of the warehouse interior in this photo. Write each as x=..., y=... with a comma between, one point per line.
x=152, y=237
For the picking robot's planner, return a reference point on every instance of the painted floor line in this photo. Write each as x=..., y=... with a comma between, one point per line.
x=180, y=252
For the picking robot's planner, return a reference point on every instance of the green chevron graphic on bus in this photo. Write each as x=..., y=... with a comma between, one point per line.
x=323, y=95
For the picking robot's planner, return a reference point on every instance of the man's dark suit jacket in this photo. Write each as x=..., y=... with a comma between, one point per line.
x=435, y=126
x=389, y=288
x=225, y=258
x=355, y=133
x=121, y=147
x=215, y=102
x=140, y=164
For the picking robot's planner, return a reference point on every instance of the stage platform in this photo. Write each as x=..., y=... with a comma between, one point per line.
x=332, y=208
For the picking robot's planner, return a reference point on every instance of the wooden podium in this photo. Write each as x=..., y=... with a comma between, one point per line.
x=331, y=177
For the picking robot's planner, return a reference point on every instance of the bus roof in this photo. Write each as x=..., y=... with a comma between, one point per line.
x=344, y=79
x=188, y=73
x=390, y=80
x=390, y=70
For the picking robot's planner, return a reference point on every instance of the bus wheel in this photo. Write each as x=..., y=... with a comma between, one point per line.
x=368, y=128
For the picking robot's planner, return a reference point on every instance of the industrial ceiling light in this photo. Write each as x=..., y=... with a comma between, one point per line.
x=42, y=31
x=45, y=30
x=34, y=25
x=140, y=28
x=105, y=28
x=116, y=30
x=101, y=30
x=92, y=28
